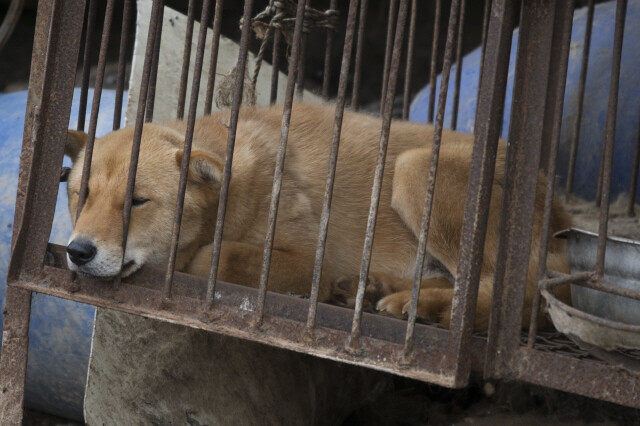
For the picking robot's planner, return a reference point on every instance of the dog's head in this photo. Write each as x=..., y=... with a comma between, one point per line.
x=95, y=247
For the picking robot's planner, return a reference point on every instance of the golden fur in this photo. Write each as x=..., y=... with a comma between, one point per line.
x=398, y=223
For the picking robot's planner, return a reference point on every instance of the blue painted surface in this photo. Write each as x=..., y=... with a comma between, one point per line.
x=595, y=102
x=60, y=331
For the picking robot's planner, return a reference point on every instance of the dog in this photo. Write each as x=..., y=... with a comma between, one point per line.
x=95, y=245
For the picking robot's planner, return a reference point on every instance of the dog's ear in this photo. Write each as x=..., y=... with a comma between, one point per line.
x=203, y=167
x=76, y=140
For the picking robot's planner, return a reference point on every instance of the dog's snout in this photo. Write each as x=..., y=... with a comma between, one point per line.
x=81, y=251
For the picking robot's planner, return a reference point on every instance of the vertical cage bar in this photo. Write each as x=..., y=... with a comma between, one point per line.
x=58, y=31
x=357, y=72
x=122, y=62
x=95, y=107
x=434, y=61
x=275, y=67
x=154, y=67
x=301, y=67
x=156, y=17
x=186, y=153
x=326, y=75
x=186, y=59
x=581, y=86
x=483, y=38
x=486, y=135
x=456, y=89
x=213, y=63
x=333, y=160
x=553, y=122
x=410, y=52
x=610, y=133
x=231, y=140
x=296, y=52
x=393, y=7
x=86, y=63
x=519, y=189
x=633, y=185
x=431, y=180
x=354, y=339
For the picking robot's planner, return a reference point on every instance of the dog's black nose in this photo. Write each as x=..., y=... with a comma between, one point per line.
x=81, y=251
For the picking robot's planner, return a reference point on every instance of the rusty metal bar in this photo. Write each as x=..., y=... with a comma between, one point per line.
x=151, y=96
x=156, y=16
x=410, y=51
x=456, y=89
x=434, y=61
x=10, y=21
x=186, y=153
x=296, y=52
x=633, y=185
x=557, y=278
x=357, y=72
x=301, y=67
x=95, y=107
x=431, y=180
x=483, y=38
x=213, y=63
x=581, y=86
x=393, y=7
x=326, y=75
x=333, y=160
x=521, y=176
x=122, y=62
x=55, y=53
x=86, y=63
x=231, y=141
x=354, y=339
x=275, y=67
x=610, y=133
x=552, y=127
x=186, y=59
x=487, y=130
x=589, y=280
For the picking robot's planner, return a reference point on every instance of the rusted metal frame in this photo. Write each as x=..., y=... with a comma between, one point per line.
x=410, y=52
x=333, y=160
x=95, y=107
x=56, y=48
x=487, y=130
x=357, y=71
x=153, y=78
x=456, y=88
x=275, y=66
x=186, y=59
x=156, y=16
x=283, y=325
x=552, y=127
x=581, y=86
x=590, y=280
x=483, y=38
x=326, y=75
x=557, y=278
x=353, y=344
x=296, y=49
x=393, y=8
x=633, y=185
x=604, y=191
x=434, y=61
x=90, y=24
x=519, y=190
x=213, y=63
x=583, y=377
x=10, y=21
x=431, y=180
x=301, y=67
x=231, y=141
x=122, y=62
x=186, y=152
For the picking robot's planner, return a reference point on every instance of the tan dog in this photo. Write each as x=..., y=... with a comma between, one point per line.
x=94, y=247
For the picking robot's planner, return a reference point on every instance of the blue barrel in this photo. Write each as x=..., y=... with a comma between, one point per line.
x=60, y=330
x=595, y=102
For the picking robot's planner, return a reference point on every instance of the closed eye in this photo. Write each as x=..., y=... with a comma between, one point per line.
x=136, y=202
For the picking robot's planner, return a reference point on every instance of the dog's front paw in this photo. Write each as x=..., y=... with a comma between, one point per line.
x=344, y=290
x=434, y=304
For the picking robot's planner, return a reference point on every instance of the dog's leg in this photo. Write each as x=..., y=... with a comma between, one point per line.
x=240, y=263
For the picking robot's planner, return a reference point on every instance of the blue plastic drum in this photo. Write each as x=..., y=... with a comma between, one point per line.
x=595, y=101
x=60, y=330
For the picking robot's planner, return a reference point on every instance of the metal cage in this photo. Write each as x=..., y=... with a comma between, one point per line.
x=408, y=348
